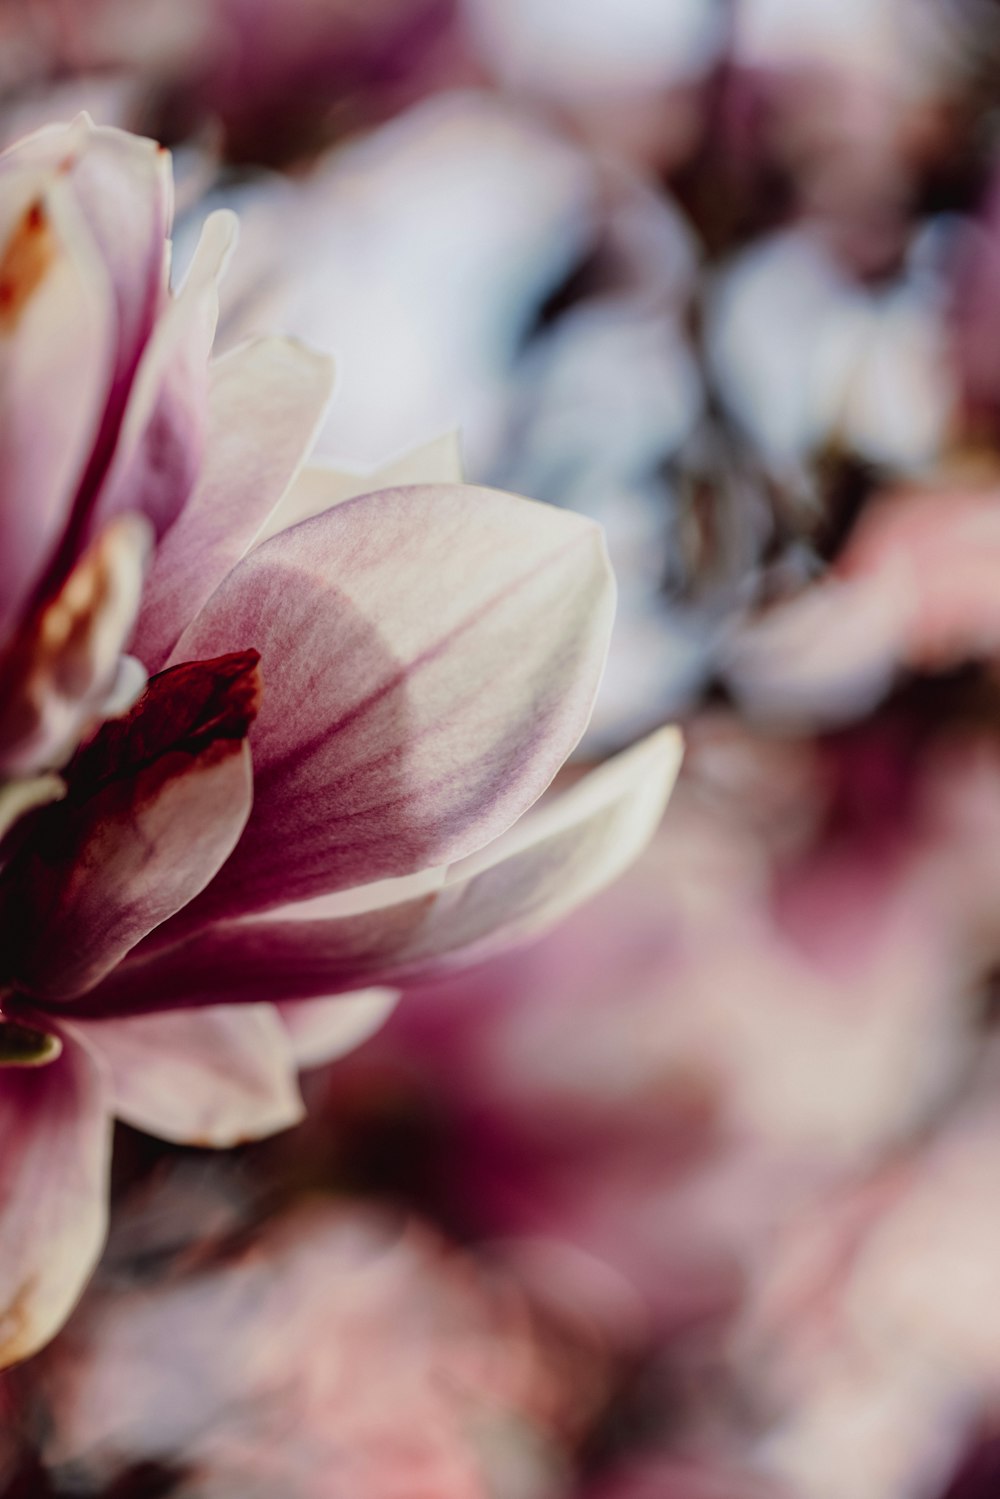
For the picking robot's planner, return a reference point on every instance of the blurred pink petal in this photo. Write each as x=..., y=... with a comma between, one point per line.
x=53, y=1185
x=389, y=1362
x=914, y=588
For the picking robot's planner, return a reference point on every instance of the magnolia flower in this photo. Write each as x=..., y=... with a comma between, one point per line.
x=352, y=697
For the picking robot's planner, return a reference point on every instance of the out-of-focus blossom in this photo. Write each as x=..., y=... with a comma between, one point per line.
x=271, y=81
x=337, y=1354
x=870, y=1339
x=705, y=1479
x=974, y=300
x=624, y=71
x=808, y=359
x=779, y=994
x=913, y=590
x=430, y=656
x=855, y=104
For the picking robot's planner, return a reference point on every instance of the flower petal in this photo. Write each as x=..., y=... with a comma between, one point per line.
x=265, y=402
x=204, y=1077
x=123, y=187
x=156, y=803
x=432, y=655
x=160, y=444
x=56, y=361
x=58, y=675
x=56, y=1128
x=548, y=864
x=321, y=1030
x=318, y=487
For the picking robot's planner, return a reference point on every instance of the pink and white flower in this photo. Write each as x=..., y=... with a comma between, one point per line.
x=353, y=699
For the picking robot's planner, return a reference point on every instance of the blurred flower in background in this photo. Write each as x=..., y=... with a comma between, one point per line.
x=694, y=1197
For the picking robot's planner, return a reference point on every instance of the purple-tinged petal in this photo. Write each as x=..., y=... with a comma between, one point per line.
x=322, y=1030
x=57, y=676
x=265, y=403
x=553, y=861
x=557, y=857
x=318, y=488
x=159, y=449
x=432, y=655
x=205, y=1077
x=156, y=804
x=56, y=1130
x=56, y=362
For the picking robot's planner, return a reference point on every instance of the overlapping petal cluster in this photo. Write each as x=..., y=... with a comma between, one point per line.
x=354, y=697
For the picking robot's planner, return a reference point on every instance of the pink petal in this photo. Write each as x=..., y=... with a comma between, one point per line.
x=56, y=361
x=123, y=187
x=827, y=656
x=431, y=655
x=56, y=1128
x=321, y=1030
x=265, y=402
x=58, y=674
x=156, y=803
x=552, y=862
x=160, y=444
x=205, y=1077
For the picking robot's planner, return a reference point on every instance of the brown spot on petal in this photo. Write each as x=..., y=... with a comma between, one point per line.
x=16, y=1334
x=187, y=708
x=26, y=258
x=67, y=653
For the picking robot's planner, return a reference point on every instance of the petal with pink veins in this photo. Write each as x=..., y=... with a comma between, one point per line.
x=56, y=1129
x=265, y=403
x=432, y=655
x=554, y=860
x=156, y=803
x=204, y=1077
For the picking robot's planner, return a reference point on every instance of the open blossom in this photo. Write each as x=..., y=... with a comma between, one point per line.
x=353, y=695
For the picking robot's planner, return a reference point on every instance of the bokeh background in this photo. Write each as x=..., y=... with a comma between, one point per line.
x=699, y=1197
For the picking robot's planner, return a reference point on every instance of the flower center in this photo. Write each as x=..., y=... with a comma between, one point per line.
x=24, y=1045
